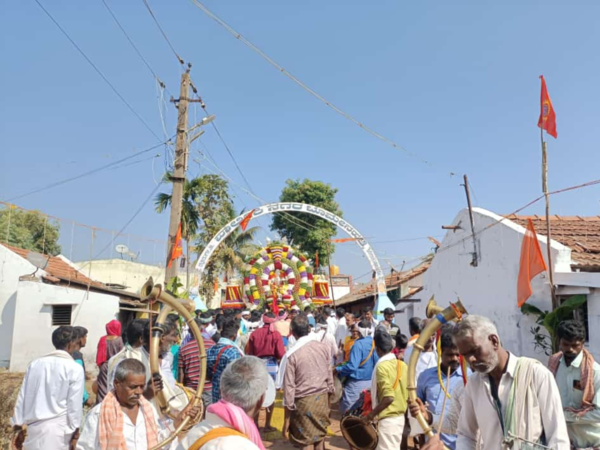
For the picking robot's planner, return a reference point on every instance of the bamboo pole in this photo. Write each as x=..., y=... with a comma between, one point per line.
x=548, y=234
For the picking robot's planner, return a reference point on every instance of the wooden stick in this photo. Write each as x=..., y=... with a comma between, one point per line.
x=441, y=424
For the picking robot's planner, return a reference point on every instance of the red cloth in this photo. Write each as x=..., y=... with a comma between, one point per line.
x=113, y=328
x=532, y=263
x=547, y=120
x=264, y=342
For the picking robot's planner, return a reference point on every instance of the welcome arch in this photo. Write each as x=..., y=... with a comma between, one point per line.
x=383, y=300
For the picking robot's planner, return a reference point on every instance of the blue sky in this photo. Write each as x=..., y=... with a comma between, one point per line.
x=456, y=84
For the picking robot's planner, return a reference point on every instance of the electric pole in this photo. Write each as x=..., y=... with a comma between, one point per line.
x=179, y=168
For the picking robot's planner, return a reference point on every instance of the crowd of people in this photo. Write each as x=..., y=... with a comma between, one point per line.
x=472, y=392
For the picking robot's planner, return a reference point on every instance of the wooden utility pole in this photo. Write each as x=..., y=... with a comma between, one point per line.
x=548, y=235
x=179, y=168
x=475, y=257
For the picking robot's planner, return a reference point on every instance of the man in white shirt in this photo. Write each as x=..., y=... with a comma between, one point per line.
x=578, y=379
x=125, y=419
x=509, y=399
x=428, y=357
x=229, y=423
x=332, y=323
x=50, y=399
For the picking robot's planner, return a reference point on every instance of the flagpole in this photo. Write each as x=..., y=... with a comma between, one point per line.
x=555, y=304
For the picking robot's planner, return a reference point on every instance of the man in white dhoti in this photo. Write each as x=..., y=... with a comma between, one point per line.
x=125, y=419
x=49, y=403
x=514, y=402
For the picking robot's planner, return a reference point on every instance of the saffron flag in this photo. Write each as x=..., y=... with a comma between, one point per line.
x=342, y=240
x=547, y=120
x=177, y=248
x=316, y=259
x=244, y=223
x=532, y=263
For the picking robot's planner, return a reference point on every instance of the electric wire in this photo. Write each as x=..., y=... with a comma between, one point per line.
x=146, y=63
x=98, y=71
x=181, y=61
x=84, y=174
x=308, y=89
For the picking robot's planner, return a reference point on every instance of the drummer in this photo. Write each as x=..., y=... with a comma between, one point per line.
x=359, y=368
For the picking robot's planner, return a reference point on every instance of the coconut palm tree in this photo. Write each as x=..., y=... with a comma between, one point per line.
x=190, y=217
x=236, y=248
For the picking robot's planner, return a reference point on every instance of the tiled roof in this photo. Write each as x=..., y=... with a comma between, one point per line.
x=580, y=234
x=392, y=281
x=59, y=268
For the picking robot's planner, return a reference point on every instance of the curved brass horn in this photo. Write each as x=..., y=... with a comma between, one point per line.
x=439, y=317
x=153, y=292
x=432, y=308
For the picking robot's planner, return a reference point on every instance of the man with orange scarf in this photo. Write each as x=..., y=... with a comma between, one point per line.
x=578, y=379
x=125, y=420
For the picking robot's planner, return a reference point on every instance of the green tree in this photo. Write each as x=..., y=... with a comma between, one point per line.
x=215, y=209
x=550, y=320
x=30, y=230
x=234, y=251
x=190, y=217
x=309, y=233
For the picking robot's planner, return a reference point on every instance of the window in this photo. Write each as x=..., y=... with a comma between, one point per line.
x=61, y=314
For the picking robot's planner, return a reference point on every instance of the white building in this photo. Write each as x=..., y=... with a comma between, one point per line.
x=489, y=288
x=34, y=302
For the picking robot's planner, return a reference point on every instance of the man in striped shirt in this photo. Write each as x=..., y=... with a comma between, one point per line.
x=189, y=361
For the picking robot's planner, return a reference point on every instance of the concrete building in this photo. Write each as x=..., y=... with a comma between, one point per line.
x=34, y=302
x=489, y=287
x=120, y=273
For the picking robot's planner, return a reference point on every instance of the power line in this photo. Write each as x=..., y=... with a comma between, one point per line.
x=85, y=174
x=91, y=63
x=139, y=53
x=181, y=61
x=311, y=91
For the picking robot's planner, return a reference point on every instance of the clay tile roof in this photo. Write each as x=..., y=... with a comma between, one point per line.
x=580, y=234
x=392, y=281
x=59, y=268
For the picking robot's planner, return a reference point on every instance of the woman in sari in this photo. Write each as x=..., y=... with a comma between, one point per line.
x=108, y=346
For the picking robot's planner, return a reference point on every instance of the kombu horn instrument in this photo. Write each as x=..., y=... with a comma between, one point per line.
x=439, y=317
x=151, y=293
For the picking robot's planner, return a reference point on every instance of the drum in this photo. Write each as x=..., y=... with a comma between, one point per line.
x=339, y=390
x=358, y=433
x=270, y=394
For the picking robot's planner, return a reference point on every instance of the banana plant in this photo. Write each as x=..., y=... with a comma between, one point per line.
x=550, y=320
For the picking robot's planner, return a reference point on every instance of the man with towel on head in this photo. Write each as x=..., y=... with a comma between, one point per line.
x=359, y=368
x=266, y=343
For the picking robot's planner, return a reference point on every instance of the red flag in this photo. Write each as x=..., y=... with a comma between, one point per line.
x=532, y=263
x=177, y=248
x=547, y=120
x=244, y=223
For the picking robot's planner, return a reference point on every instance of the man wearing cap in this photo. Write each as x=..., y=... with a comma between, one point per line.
x=388, y=323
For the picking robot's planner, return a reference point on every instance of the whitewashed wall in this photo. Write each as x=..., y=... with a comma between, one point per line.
x=32, y=335
x=12, y=266
x=490, y=288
